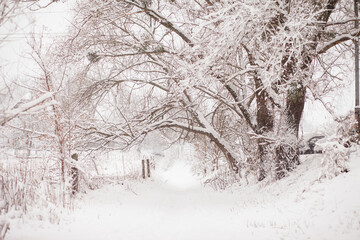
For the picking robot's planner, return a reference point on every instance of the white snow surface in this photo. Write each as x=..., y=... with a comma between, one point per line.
x=174, y=205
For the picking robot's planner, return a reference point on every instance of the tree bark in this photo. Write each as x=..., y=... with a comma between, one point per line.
x=75, y=175
x=265, y=124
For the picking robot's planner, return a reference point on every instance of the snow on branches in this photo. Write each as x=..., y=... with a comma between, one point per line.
x=230, y=67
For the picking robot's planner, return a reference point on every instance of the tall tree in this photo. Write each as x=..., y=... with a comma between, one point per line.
x=182, y=64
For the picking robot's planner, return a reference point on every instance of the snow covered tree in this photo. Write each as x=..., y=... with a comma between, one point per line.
x=22, y=179
x=58, y=124
x=9, y=11
x=236, y=72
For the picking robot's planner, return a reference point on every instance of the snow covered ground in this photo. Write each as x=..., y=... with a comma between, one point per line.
x=174, y=205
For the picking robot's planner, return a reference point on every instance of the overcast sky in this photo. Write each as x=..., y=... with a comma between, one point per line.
x=49, y=22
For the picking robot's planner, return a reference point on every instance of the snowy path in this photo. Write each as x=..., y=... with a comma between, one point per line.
x=156, y=212
x=170, y=209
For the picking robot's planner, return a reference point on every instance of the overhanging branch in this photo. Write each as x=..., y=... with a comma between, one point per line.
x=338, y=40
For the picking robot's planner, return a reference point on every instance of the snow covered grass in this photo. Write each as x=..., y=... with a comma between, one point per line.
x=174, y=205
x=28, y=183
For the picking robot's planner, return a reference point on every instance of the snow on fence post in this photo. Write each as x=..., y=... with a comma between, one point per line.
x=143, y=168
x=148, y=167
x=75, y=175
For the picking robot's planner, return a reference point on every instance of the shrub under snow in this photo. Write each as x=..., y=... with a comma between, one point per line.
x=335, y=158
x=336, y=148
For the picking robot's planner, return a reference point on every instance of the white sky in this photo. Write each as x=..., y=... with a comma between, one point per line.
x=49, y=22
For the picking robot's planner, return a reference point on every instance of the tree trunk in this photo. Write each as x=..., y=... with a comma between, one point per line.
x=265, y=123
x=294, y=106
x=287, y=154
x=74, y=175
x=262, y=158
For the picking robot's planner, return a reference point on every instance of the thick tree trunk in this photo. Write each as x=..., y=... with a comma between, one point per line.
x=294, y=106
x=287, y=154
x=265, y=124
x=286, y=158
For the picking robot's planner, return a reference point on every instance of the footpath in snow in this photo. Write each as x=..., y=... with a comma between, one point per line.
x=174, y=205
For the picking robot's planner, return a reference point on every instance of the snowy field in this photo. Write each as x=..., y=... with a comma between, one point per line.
x=175, y=205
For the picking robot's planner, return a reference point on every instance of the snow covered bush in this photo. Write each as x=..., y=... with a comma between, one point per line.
x=336, y=148
x=335, y=158
x=221, y=179
x=212, y=166
x=32, y=186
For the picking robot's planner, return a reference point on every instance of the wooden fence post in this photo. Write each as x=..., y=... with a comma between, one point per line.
x=75, y=175
x=148, y=167
x=143, y=168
